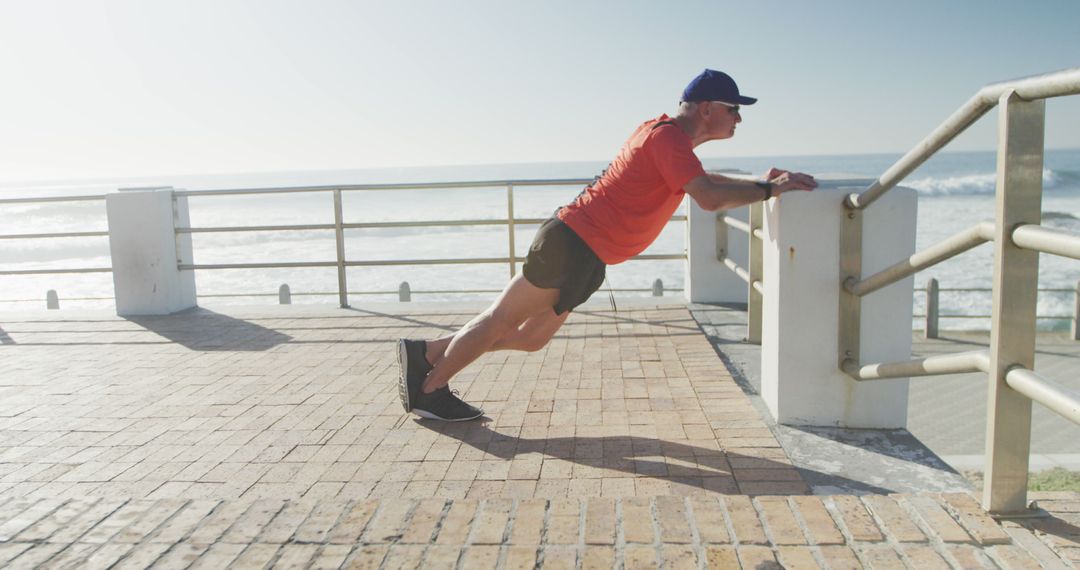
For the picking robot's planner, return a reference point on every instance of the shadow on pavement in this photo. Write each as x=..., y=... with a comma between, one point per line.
x=711, y=470
x=201, y=329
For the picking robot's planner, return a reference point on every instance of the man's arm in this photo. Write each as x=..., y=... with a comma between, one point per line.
x=718, y=192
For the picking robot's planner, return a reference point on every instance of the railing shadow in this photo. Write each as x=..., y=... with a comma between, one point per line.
x=710, y=470
x=5, y=338
x=205, y=330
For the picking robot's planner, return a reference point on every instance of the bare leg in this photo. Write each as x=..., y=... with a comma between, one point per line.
x=529, y=337
x=519, y=302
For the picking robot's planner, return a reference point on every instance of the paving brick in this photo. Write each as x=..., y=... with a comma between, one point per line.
x=57, y=519
x=894, y=519
x=840, y=558
x=404, y=556
x=331, y=556
x=425, y=518
x=635, y=556
x=492, y=519
x=367, y=557
x=85, y=521
x=679, y=556
x=783, y=529
x=721, y=557
x=881, y=557
x=939, y=521
x=820, y=526
x=979, y=524
x=708, y=517
x=637, y=520
x=119, y=519
x=219, y=555
x=1013, y=558
x=142, y=556
x=797, y=558
x=256, y=557
x=320, y=521
x=528, y=522
x=757, y=557
x=211, y=529
x=921, y=556
x=1038, y=549
x=672, y=518
x=598, y=558
x=458, y=523
x=351, y=525
x=860, y=525
x=34, y=512
x=744, y=521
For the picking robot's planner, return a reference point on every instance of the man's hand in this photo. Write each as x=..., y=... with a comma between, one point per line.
x=785, y=181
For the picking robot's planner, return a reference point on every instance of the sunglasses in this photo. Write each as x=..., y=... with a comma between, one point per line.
x=733, y=109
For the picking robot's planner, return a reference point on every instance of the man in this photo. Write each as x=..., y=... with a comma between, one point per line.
x=612, y=220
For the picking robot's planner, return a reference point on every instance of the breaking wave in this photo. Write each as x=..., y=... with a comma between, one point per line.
x=986, y=183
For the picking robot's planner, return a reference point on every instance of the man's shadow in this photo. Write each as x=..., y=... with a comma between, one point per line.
x=708, y=469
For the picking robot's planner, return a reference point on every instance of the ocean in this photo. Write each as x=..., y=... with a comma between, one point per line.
x=955, y=192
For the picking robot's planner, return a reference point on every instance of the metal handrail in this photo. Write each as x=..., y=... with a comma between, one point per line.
x=976, y=235
x=401, y=186
x=961, y=362
x=1056, y=84
x=86, y=198
x=1046, y=240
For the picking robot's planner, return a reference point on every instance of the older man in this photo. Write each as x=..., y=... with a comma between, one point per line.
x=612, y=220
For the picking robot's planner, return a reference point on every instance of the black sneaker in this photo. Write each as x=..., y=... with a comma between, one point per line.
x=442, y=404
x=414, y=367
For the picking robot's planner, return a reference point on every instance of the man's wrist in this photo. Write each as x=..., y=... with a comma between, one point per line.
x=767, y=187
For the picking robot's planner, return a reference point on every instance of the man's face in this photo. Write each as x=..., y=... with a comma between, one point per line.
x=721, y=119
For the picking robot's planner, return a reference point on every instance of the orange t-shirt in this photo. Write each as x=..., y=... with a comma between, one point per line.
x=624, y=211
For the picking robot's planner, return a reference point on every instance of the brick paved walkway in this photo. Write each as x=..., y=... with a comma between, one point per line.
x=274, y=437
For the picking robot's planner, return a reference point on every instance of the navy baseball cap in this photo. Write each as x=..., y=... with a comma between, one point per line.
x=714, y=85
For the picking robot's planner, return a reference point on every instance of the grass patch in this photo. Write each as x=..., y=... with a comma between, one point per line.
x=1056, y=479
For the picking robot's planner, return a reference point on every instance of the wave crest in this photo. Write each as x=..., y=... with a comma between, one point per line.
x=984, y=183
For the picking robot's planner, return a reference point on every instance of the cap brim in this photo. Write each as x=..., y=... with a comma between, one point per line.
x=746, y=100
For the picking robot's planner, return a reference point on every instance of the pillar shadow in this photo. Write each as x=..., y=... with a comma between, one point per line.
x=711, y=470
x=201, y=329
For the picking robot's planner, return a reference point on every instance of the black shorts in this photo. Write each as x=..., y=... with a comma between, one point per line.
x=559, y=259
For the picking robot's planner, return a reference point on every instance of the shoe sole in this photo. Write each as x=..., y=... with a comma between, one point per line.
x=403, y=380
x=430, y=416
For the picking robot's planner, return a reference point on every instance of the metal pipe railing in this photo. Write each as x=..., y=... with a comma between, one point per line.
x=1060, y=399
x=962, y=362
x=382, y=187
x=1056, y=84
x=1046, y=240
x=55, y=235
x=950, y=247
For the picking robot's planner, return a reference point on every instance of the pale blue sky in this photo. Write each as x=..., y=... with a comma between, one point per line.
x=98, y=88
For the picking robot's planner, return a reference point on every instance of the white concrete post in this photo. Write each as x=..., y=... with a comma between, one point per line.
x=801, y=380
x=708, y=280
x=146, y=251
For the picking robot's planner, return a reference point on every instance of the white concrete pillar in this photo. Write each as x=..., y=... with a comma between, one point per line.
x=708, y=280
x=146, y=251
x=801, y=380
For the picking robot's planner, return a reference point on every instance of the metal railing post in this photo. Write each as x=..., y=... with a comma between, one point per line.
x=721, y=236
x=52, y=300
x=658, y=288
x=284, y=294
x=1021, y=128
x=339, y=236
x=1075, y=328
x=404, y=292
x=510, y=227
x=931, y=329
x=753, y=296
x=850, y=271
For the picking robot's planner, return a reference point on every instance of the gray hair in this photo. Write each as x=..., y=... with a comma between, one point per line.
x=686, y=108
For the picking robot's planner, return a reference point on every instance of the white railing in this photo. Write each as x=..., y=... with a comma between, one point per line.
x=752, y=275
x=1018, y=239
x=338, y=226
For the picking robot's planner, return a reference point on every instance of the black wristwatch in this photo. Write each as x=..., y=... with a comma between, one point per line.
x=767, y=187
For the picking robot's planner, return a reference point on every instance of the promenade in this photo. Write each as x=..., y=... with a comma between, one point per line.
x=273, y=437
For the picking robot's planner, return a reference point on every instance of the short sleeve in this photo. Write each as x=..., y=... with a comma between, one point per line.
x=674, y=157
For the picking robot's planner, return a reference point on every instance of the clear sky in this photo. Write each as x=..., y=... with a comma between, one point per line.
x=95, y=88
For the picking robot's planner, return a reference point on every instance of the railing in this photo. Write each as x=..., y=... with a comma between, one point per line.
x=339, y=226
x=54, y=199
x=933, y=314
x=1018, y=239
x=753, y=275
